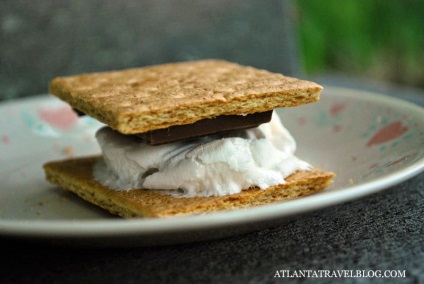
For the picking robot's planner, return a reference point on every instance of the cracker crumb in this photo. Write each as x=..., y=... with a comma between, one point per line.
x=87, y=137
x=68, y=151
x=351, y=181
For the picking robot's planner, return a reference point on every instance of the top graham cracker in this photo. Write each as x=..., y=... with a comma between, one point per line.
x=143, y=99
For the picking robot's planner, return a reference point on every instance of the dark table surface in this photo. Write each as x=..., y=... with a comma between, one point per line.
x=380, y=232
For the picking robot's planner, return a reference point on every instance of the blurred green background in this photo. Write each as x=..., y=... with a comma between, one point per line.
x=377, y=40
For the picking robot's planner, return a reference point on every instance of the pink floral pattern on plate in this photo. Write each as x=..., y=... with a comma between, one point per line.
x=368, y=135
x=44, y=123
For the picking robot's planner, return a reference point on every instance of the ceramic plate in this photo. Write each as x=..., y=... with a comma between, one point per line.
x=371, y=141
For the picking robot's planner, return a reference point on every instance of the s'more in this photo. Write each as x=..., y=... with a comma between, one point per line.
x=187, y=138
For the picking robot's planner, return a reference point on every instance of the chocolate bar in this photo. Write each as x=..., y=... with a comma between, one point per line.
x=79, y=113
x=205, y=127
x=202, y=127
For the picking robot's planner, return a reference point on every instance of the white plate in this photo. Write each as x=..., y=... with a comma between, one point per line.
x=371, y=141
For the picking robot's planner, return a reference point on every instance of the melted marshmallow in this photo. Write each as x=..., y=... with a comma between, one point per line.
x=213, y=166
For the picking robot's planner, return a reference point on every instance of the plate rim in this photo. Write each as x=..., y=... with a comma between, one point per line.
x=151, y=226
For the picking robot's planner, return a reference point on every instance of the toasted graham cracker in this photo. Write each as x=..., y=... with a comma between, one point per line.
x=142, y=99
x=76, y=175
